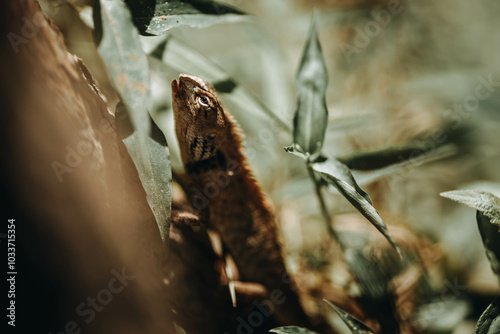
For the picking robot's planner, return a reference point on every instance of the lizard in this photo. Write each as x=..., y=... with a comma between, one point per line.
x=224, y=191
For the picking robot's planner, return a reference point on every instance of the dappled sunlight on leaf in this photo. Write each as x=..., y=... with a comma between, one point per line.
x=489, y=322
x=152, y=161
x=311, y=116
x=156, y=17
x=339, y=176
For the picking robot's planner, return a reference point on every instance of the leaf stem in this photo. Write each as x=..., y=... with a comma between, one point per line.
x=324, y=210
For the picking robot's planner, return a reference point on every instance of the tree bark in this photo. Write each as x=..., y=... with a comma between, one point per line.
x=82, y=220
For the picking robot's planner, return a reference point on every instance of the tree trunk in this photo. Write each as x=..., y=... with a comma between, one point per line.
x=89, y=253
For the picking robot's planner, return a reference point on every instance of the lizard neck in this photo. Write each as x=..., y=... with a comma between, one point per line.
x=232, y=148
x=228, y=162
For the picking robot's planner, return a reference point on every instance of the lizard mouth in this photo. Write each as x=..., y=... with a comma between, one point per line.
x=175, y=86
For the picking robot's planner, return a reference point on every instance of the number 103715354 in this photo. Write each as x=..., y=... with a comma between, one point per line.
x=11, y=247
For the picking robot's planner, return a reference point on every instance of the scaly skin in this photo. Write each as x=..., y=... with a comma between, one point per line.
x=227, y=195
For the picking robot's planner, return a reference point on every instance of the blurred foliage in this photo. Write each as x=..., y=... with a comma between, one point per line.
x=488, y=220
x=356, y=326
x=489, y=322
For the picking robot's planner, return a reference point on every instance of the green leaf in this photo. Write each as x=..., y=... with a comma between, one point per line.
x=311, y=116
x=356, y=326
x=127, y=66
x=373, y=274
x=404, y=168
x=338, y=175
x=291, y=330
x=152, y=160
x=491, y=240
x=488, y=220
x=293, y=149
x=155, y=17
x=342, y=172
x=443, y=142
x=412, y=152
x=142, y=12
x=125, y=61
x=489, y=322
x=482, y=201
x=181, y=58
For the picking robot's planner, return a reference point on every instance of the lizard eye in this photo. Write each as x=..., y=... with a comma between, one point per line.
x=203, y=100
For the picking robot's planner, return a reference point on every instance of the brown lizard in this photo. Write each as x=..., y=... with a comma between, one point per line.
x=225, y=192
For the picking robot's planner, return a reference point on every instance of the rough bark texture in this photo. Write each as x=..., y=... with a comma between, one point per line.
x=90, y=217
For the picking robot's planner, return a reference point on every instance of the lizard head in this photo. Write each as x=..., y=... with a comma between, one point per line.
x=200, y=122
